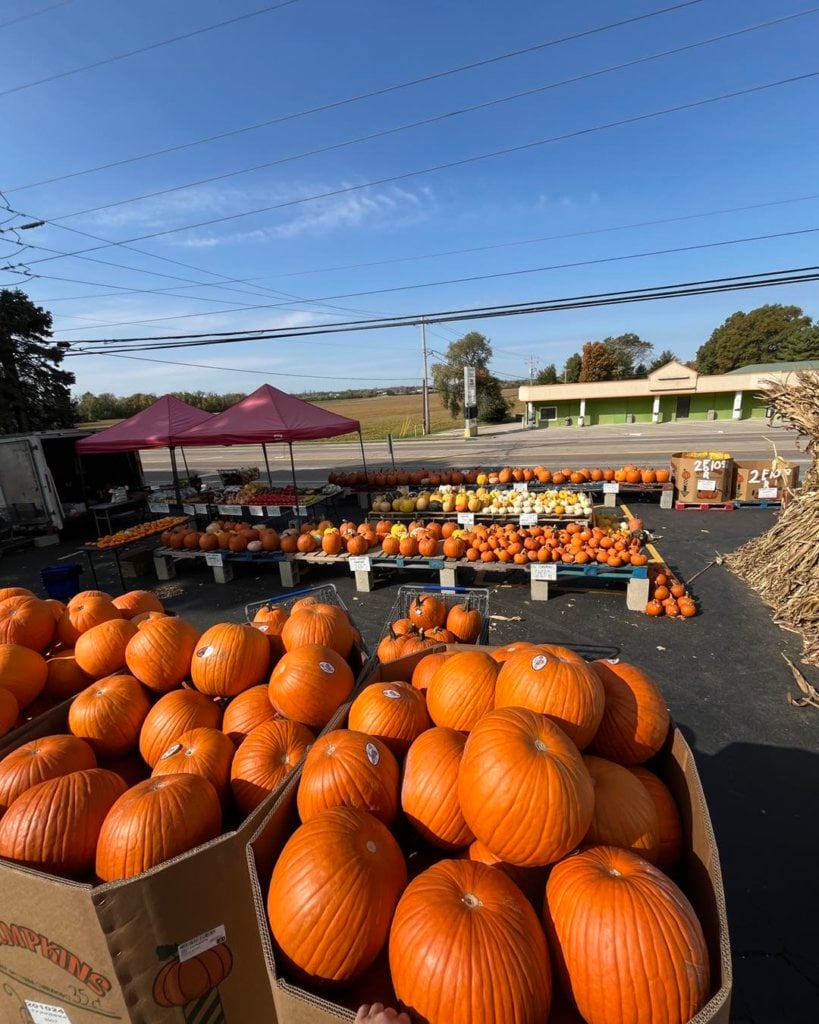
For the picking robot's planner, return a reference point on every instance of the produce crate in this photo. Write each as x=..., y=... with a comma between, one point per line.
x=326, y=594
x=478, y=599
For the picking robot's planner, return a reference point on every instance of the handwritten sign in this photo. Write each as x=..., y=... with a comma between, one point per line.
x=257, y=510
x=159, y=506
x=302, y=510
x=544, y=571
x=709, y=486
x=522, y=487
x=466, y=519
x=229, y=510
x=214, y=558
x=200, y=510
x=611, y=487
x=528, y=519
x=360, y=563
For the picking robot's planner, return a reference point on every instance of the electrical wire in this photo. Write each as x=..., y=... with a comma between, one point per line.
x=383, y=91
x=451, y=164
x=145, y=49
x=446, y=116
x=34, y=14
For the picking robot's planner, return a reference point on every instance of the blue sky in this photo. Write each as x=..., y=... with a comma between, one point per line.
x=743, y=151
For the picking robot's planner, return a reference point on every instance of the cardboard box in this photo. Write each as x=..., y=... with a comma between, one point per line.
x=703, y=478
x=700, y=877
x=764, y=480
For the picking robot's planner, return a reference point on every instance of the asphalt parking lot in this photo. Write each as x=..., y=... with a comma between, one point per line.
x=726, y=685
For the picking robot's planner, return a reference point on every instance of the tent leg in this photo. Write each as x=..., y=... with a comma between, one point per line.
x=363, y=457
x=295, y=484
x=185, y=460
x=175, y=476
x=267, y=463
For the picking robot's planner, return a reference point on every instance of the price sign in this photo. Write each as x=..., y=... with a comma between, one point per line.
x=707, y=485
x=257, y=510
x=214, y=558
x=302, y=510
x=189, y=510
x=159, y=506
x=200, y=510
x=528, y=519
x=274, y=510
x=611, y=487
x=360, y=563
x=768, y=492
x=466, y=519
x=522, y=487
x=229, y=510
x=544, y=571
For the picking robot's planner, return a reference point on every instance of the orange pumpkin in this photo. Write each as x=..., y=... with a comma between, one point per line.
x=160, y=654
x=173, y=714
x=248, y=711
x=64, y=677
x=135, y=602
x=230, y=657
x=624, y=813
x=429, y=791
x=306, y=543
x=23, y=672
x=7, y=592
x=333, y=892
x=331, y=542
x=84, y=610
x=611, y=914
x=390, y=545
x=395, y=713
x=309, y=684
x=143, y=617
x=265, y=759
x=462, y=690
x=26, y=621
x=202, y=751
x=349, y=769
x=100, y=651
x=669, y=822
x=546, y=803
x=427, y=611
x=426, y=668
x=109, y=715
x=635, y=722
x=41, y=759
x=465, y=622
x=155, y=820
x=319, y=623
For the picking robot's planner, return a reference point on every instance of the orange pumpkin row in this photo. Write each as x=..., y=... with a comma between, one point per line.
x=507, y=474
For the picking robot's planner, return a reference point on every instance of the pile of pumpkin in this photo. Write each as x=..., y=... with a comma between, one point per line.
x=510, y=788
x=629, y=474
x=162, y=718
x=429, y=621
x=112, y=540
x=571, y=544
x=222, y=535
x=670, y=597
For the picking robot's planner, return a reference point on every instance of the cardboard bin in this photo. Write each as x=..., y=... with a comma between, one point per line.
x=764, y=480
x=700, y=877
x=703, y=478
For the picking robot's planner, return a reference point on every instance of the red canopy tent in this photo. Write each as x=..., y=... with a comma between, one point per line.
x=161, y=425
x=272, y=415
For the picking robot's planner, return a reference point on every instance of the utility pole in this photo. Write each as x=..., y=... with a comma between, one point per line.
x=425, y=385
x=532, y=364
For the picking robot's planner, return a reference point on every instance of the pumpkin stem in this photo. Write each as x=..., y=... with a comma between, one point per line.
x=166, y=952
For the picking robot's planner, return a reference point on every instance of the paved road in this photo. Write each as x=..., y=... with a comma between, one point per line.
x=641, y=443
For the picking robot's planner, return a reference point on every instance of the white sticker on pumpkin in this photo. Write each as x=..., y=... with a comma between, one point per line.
x=392, y=694
x=171, y=751
x=45, y=1013
x=539, y=661
x=372, y=754
x=205, y=651
x=325, y=666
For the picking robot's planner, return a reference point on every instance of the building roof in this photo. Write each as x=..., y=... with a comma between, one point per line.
x=799, y=364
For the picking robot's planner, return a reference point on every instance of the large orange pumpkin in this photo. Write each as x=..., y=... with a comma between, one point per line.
x=84, y=610
x=635, y=722
x=202, y=751
x=54, y=825
x=137, y=602
x=466, y=945
x=248, y=711
x=349, y=769
x=462, y=690
x=426, y=668
x=465, y=622
x=26, y=621
x=38, y=760
x=9, y=710
x=568, y=692
x=23, y=672
x=429, y=791
x=100, y=651
x=155, y=820
x=545, y=804
x=324, y=624
x=393, y=712
x=265, y=759
x=626, y=938
x=624, y=813
x=309, y=684
x=669, y=822
x=7, y=592
x=109, y=715
x=64, y=676
x=333, y=893
x=173, y=714
x=230, y=657
x=160, y=654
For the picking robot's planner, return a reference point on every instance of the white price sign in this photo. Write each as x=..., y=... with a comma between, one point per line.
x=159, y=506
x=528, y=519
x=200, y=510
x=611, y=487
x=229, y=510
x=257, y=510
x=522, y=487
x=544, y=571
x=466, y=519
x=768, y=492
x=189, y=510
x=207, y=940
x=274, y=510
x=45, y=1013
x=360, y=563
x=302, y=510
x=707, y=485
x=214, y=558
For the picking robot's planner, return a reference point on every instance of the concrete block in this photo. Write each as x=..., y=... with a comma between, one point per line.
x=165, y=567
x=223, y=573
x=363, y=581
x=539, y=589
x=289, y=573
x=637, y=594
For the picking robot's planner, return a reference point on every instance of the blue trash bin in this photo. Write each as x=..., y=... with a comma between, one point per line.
x=61, y=581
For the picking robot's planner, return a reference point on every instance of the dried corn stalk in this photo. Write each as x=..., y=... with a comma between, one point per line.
x=782, y=565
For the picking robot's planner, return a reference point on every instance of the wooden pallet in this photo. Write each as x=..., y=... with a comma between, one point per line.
x=698, y=506
x=759, y=503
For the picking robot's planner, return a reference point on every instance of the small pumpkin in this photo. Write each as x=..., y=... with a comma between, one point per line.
x=309, y=684
x=265, y=759
x=109, y=715
x=174, y=714
x=319, y=623
x=429, y=791
x=427, y=611
x=395, y=713
x=464, y=622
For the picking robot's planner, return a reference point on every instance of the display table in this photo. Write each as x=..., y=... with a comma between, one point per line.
x=105, y=513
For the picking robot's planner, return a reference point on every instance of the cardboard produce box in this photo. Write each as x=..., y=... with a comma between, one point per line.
x=703, y=478
x=699, y=875
x=764, y=480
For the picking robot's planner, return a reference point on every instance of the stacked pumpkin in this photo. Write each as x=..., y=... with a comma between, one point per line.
x=398, y=477
x=670, y=597
x=518, y=776
x=223, y=535
x=179, y=733
x=430, y=622
x=572, y=544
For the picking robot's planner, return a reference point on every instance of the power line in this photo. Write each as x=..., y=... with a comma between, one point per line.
x=721, y=243
x=458, y=112
x=145, y=49
x=34, y=14
x=770, y=278
x=463, y=161
x=385, y=90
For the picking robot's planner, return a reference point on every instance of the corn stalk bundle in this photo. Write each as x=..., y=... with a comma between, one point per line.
x=782, y=565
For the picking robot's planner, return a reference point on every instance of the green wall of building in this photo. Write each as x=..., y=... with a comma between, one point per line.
x=615, y=410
